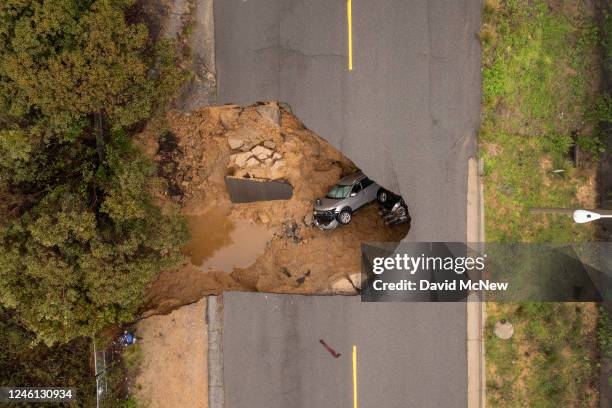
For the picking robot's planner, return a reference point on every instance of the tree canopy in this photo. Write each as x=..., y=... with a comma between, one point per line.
x=80, y=234
x=61, y=60
x=64, y=365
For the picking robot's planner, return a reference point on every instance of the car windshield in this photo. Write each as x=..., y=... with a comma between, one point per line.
x=339, y=191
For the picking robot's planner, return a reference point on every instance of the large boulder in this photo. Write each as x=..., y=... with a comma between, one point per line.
x=241, y=158
x=269, y=144
x=343, y=286
x=252, y=162
x=503, y=329
x=229, y=116
x=277, y=171
x=357, y=279
x=271, y=112
x=261, y=152
x=235, y=142
x=245, y=138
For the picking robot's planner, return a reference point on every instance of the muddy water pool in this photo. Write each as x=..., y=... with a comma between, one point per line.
x=219, y=243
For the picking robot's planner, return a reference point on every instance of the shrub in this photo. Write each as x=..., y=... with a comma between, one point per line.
x=490, y=7
x=61, y=60
x=488, y=36
x=22, y=364
x=80, y=258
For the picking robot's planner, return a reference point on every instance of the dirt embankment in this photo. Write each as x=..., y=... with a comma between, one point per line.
x=174, y=371
x=267, y=246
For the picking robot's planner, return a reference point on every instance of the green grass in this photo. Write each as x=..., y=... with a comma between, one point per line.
x=604, y=334
x=540, y=78
x=550, y=361
x=538, y=74
x=122, y=372
x=132, y=359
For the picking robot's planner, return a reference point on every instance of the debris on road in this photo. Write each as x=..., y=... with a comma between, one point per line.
x=331, y=350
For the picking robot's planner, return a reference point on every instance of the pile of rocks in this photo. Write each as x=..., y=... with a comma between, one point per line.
x=255, y=153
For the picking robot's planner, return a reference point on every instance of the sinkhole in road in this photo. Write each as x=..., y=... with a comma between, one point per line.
x=257, y=244
x=220, y=243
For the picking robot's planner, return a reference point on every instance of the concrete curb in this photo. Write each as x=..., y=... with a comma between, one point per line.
x=483, y=304
x=214, y=319
x=476, y=312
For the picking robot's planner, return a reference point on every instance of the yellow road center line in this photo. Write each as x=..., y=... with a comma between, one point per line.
x=349, y=15
x=354, y=375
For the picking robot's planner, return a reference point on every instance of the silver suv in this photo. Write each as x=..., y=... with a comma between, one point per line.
x=349, y=194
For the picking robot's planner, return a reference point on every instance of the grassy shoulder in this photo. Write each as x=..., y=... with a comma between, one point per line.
x=121, y=378
x=539, y=89
x=551, y=359
x=540, y=98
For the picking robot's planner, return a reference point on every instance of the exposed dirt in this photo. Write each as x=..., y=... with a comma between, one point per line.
x=297, y=257
x=174, y=371
x=586, y=192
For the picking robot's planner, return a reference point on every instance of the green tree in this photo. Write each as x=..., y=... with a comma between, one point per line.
x=80, y=235
x=61, y=60
x=80, y=257
x=63, y=365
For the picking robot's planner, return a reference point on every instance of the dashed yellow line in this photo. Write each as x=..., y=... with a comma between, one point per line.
x=354, y=373
x=349, y=16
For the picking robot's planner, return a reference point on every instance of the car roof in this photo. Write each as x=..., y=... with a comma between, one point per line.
x=350, y=180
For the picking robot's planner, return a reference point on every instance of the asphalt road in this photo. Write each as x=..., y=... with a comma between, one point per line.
x=273, y=358
x=407, y=113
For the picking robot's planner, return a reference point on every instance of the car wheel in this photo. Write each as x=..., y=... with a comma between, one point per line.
x=382, y=196
x=402, y=211
x=345, y=216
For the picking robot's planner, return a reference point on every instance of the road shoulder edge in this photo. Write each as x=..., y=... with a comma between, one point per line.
x=476, y=311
